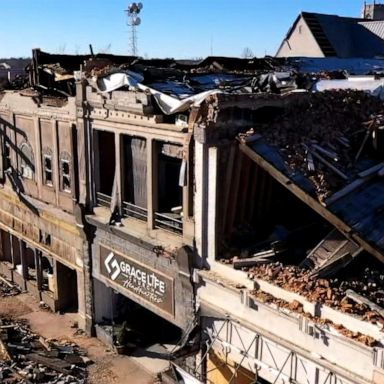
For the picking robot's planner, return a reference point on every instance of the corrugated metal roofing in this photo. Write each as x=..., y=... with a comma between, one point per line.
x=362, y=210
x=376, y=27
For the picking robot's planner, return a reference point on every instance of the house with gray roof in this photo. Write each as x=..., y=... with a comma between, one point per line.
x=321, y=35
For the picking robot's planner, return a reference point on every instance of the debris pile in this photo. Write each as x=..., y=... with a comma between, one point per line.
x=297, y=307
x=361, y=296
x=8, y=288
x=325, y=135
x=27, y=358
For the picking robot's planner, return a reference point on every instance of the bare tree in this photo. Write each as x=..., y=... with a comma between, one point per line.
x=106, y=49
x=62, y=48
x=247, y=53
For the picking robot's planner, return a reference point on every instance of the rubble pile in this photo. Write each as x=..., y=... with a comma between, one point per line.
x=324, y=136
x=297, y=307
x=27, y=358
x=8, y=288
x=331, y=292
x=18, y=83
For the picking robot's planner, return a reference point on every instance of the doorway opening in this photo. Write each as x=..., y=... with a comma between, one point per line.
x=66, y=288
x=130, y=327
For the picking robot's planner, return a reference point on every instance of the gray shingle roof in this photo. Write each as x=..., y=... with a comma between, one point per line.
x=349, y=37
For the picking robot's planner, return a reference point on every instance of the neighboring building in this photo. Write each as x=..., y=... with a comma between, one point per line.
x=319, y=35
x=133, y=163
x=13, y=68
x=44, y=249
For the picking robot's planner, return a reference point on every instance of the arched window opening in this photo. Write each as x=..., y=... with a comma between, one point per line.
x=47, y=167
x=27, y=166
x=65, y=172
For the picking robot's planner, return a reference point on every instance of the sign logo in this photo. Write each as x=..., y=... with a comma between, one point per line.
x=112, y=265
x=138, y=279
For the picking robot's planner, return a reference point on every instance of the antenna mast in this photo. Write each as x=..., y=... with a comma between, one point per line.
x=134, y=21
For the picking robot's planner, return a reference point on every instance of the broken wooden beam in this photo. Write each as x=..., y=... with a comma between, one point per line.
x=310, y=162
x=4, y=353
x=331, y=154
x=327, y=163
x=249, y=262
x=364, y=142
x=373, y=170
x=53, y=363
x=5, y=281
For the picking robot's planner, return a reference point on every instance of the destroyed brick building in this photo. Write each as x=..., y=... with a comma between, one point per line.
x=228, y=207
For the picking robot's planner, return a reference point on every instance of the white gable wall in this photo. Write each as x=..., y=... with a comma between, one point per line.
x=300, y=43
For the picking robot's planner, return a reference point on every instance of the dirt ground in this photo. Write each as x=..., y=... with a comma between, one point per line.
x=108, y=368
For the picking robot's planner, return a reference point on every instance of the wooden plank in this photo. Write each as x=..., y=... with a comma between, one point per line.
x=344, y=191
x=331, y=154
x=10, y=285
x=53, y=363
x=309, y=200
x=4, y=354
x=251, y=262
x=44, y=343
x=376, y=168
x=364, y=142
x=329, y=165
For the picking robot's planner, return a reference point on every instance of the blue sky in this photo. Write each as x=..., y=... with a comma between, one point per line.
x=170, y=28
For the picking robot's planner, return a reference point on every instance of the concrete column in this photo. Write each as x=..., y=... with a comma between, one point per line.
x=212, y=203
x=55, y=281
x=95, y=165
x=38, y=163
x=55, y=161
x=118, y=176
x=84, y=145
x=81, y=299
x=201, y=200
x=12, y=138
x=206, y=163
x=152, y=175
x=87, y=290
x=188, y=219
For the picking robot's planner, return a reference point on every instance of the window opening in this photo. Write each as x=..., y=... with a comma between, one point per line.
x=65, y=170
x=26, y=163
x=7, y=150
x=48, y=174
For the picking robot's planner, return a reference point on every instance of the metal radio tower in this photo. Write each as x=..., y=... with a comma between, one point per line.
x=134, y=21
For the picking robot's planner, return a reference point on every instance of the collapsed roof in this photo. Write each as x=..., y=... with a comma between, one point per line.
x=177, y=84
x=327, y=148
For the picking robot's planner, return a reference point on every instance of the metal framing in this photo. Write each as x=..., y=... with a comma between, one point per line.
x=266, y=358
